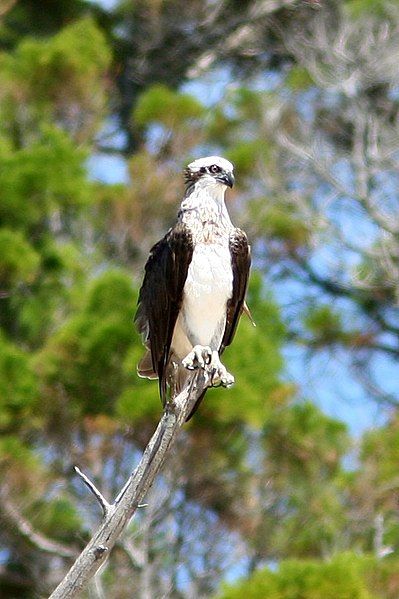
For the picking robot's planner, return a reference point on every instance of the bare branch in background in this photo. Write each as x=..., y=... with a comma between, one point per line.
x=15, y=518
x=121, y=511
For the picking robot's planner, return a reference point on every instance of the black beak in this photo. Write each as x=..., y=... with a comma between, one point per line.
x=227, y=179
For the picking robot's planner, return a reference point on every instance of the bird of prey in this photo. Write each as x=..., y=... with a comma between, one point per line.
x=194, y=285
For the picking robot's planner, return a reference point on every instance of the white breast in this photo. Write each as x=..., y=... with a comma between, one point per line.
x=208, y=287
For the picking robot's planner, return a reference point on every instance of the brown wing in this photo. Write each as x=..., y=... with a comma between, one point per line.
x=161, y=296
x=241, y=261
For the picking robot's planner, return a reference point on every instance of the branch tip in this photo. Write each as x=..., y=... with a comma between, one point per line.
x=105, y=506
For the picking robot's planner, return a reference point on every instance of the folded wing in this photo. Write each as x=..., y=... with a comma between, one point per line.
x=161, y=297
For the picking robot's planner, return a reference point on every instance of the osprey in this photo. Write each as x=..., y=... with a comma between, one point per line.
x=194, y=285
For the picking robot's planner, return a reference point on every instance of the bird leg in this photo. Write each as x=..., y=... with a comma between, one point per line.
x=220, y=376
x=199, y=357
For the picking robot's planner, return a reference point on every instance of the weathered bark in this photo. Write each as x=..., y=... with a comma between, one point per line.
x=118, y=514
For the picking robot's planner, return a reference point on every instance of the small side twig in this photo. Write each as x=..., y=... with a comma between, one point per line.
x=118, y=515
x=105, y=506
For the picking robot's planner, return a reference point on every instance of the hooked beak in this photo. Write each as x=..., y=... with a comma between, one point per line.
x=227, y=179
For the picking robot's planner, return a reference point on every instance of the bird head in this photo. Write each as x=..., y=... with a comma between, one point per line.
x=212, y=170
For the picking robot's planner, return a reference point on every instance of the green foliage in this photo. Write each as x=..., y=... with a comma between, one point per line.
x=160, y=104
x=357, y=8
x=18, y=386
x=18, y=260
x=310, y=439
x=249, y=104
x=86, y=355
x=299, y=79
x=112, y=292
x=304, y=450
x=323, y=323
x=343, y=577
x=42, y=185
x=12, y=448
x=220, y=125
x=57, y=517
x=378, y=442
x=21, y=468
x=372, y=273
x=324, y=327
x=37, y=310
x=245, y=155
x=280, y=222
x=35, y=181
x=29, y=18
x=52, y=79
x=139, y=400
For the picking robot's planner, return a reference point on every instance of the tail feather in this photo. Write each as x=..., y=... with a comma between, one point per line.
x=145, y=368
x=178, y=377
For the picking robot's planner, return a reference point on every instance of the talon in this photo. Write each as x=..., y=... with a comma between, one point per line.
x=228, y=380
x=220, y=375
x=189, y=362
x=208, y=358
x=198, y=357
x=189, y=366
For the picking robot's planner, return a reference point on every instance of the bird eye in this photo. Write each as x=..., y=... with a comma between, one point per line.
x=214, y=168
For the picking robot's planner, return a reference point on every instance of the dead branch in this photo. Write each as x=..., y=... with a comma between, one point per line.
x=15, y=518
x=118, y=514
x=105, y=506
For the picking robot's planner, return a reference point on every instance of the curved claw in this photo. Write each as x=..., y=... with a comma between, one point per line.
x=222, y=378
x=220, y=375
x=189, y=366
x=199, y=357
x=208, y=358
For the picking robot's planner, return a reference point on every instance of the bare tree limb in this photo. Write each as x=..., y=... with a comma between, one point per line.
x=121, y=511
x=25, y=528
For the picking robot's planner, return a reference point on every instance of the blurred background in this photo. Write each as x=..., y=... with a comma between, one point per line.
x=285, y=486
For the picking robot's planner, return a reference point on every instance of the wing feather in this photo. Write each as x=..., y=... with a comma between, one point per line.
x=161, y=296
x=240, y=261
